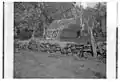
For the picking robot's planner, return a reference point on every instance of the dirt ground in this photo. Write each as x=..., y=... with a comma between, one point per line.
x=28, y=64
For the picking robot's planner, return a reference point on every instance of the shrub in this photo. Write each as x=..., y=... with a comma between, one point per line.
x=24, y=34
x=33, y=45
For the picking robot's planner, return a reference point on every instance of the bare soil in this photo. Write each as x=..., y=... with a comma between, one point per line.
x=28, y=64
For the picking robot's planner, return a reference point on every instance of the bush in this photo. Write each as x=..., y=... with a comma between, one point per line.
x=20, y=45
x=24, y=34
x=33, y=45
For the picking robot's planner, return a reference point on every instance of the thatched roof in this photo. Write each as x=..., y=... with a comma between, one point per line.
x=67, y=23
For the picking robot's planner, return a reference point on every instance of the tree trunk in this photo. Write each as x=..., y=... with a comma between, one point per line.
x=33, y=35
x=81, y=19
x=44, y=33
x=93, y=43
x=34, y=30
x=44, y=30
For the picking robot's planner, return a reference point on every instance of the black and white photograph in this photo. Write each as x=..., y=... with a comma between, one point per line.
x=59, y=40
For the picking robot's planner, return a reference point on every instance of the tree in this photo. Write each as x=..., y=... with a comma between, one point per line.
x=28, y=13
x=33, y=14
x=86, y=16
x=90, y=28
x=100, y=9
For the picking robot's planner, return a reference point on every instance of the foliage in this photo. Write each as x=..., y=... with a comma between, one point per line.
x=27, y=15
x=33, y=45
x=89, y=17
x=36, y=16
x=32, y=19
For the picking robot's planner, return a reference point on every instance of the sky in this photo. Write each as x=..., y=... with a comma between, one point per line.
x=89, y=4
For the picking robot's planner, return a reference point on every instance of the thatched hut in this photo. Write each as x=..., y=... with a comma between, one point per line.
x=64, y=28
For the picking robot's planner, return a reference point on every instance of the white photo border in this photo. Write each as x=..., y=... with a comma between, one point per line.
x=8, y=30
x=118, y=39
x=111, y=38
x=1, y=41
